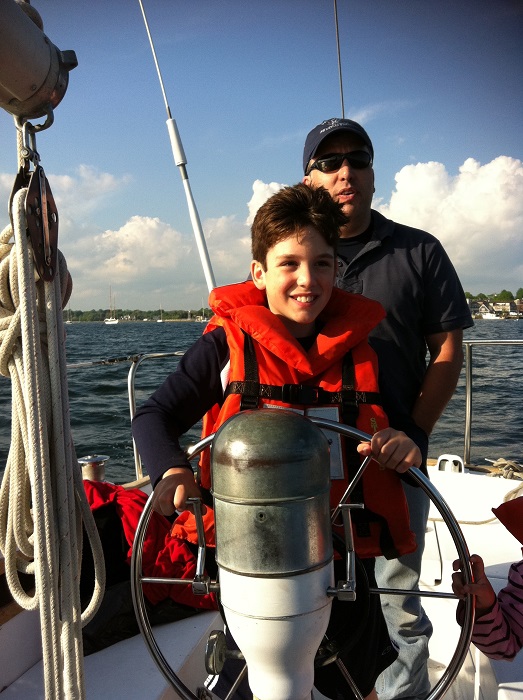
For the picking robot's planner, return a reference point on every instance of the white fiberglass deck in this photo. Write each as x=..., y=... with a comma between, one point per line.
x=127, y=671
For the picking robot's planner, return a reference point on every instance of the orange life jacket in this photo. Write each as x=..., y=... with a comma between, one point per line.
x=269, y=367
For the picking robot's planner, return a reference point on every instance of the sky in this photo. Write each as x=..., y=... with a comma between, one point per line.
x=437, y=86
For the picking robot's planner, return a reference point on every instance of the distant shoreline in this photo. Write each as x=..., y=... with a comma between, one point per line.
x=139, y=320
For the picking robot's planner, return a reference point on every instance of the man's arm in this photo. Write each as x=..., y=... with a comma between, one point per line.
x=441, y=377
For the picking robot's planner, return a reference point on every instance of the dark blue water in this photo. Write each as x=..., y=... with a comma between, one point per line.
x=100, y=417
x=497, y=401
x=100, y=410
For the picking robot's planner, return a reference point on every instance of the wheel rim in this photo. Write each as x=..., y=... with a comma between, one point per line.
x=460, y=652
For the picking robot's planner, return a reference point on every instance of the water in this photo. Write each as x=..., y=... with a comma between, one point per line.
x=100, y=409
x=497, y=399
x=100, y=418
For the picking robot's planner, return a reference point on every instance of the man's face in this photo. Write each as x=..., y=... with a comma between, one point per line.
x=352, y=187
x=298, y=279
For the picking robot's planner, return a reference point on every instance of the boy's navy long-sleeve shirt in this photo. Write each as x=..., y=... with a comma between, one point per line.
x=179, y=403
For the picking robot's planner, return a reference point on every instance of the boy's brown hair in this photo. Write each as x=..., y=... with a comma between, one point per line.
x=291, y=210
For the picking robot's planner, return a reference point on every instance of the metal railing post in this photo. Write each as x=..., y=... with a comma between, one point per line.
x=468, y=402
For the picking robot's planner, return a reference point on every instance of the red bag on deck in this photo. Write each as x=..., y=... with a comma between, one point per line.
x=164, y=555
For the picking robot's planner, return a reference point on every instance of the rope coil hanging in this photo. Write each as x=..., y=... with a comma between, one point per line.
x=42, y=499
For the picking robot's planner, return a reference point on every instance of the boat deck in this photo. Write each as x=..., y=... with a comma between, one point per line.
x=470, y=495
x=126, y=670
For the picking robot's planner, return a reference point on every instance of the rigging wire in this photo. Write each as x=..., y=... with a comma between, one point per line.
x=181, y=161
x=340, y=77
x=155, y=60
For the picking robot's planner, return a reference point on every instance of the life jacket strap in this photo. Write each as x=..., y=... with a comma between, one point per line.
x=250, y=395
x=301, y=394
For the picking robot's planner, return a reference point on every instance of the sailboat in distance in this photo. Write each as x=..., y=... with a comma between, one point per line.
x=111, y=320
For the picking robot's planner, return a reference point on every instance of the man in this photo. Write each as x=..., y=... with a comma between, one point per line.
x=408, y=271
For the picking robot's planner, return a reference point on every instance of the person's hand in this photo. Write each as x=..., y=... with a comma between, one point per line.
x=392, y=449
x=481, y=588
x=176, y=486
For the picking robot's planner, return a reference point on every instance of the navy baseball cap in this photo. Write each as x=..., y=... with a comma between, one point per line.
x=328, y=127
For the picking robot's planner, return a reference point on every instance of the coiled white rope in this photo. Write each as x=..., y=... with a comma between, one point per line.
x=42, y=499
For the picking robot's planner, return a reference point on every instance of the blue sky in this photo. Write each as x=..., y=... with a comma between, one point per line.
x=437, y=85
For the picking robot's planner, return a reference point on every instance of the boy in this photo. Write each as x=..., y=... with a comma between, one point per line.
x=290, y=333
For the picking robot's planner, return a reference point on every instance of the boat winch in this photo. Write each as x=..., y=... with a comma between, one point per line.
x=271, y=483
x=93, y=467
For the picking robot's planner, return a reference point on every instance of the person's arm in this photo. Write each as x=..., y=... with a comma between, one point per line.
x=481, y=588
x=176, y=406
x=498, y=630
x=174, y=488
x=441, y=377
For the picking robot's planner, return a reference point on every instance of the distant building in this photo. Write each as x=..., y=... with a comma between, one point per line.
x=474, y=306
x=505, y=308
x=496, y=309
x=486, y=310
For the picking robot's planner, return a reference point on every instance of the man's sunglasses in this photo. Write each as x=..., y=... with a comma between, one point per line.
x=334, y=161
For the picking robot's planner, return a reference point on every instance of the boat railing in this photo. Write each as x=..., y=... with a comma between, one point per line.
x=136, y=361
x=132, y=396
x=468, y=346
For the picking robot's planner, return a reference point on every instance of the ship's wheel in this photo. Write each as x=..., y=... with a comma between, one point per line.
x=216, y=647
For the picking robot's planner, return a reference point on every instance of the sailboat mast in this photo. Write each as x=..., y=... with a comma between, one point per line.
x=181, y=161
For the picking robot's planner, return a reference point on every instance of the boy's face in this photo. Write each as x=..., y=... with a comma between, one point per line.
x=298, y=280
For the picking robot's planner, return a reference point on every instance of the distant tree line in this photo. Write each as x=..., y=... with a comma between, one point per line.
x=137, y=314
x=504, y=295
x=196, y=314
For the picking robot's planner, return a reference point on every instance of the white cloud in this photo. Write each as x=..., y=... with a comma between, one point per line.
x=261, y=193
x=477, y=215
x=76, y=196
x=148, y=263
x=141, y=255
x=87, y=187
x=141, y=243
x=370, y=112
x=145, y=260
x=229, y=245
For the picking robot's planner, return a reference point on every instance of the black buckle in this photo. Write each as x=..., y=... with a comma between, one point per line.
x=299, y=394
x=250, y=392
